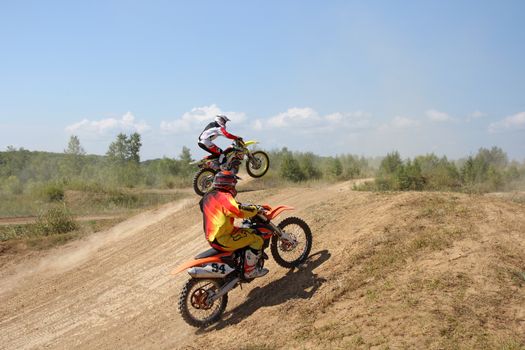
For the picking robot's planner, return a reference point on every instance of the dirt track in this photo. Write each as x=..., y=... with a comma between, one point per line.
x=114, y=290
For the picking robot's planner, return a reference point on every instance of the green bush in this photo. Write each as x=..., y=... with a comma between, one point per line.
x=53, y=193
x=409, y=177
x=56, y=220
x=353, y=167
x=391, y=173
x=309, y=168
x=291, y=170
x=335, y=168
x=487, y=171
x=11, y=232
x=439, y=173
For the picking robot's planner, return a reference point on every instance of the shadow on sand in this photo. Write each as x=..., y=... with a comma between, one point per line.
x=298, y=283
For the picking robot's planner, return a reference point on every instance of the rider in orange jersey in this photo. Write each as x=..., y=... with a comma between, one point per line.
x=219, y=209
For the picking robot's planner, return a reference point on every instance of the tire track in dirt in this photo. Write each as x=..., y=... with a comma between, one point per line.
x=117, y=292
x=79, y=291
x=113, y=286
x=69, y=256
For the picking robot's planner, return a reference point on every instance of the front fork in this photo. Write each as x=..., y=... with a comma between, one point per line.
x=256, y=163
x=289, y=240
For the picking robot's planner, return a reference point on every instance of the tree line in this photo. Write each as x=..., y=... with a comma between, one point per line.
x=488, y=170
x=25, y=171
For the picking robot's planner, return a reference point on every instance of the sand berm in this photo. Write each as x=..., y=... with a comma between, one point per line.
x=387, y=270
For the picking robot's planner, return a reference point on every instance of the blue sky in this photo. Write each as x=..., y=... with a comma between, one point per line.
x=332, y=77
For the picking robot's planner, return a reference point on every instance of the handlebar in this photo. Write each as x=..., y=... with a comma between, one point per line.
x=239, y=142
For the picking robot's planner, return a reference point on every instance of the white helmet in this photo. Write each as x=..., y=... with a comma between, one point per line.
x=221, y=120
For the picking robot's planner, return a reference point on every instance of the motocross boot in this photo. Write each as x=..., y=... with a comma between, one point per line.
x=251, y=269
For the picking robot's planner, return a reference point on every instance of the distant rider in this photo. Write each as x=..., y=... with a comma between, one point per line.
x=211, y=132
x=219, y=209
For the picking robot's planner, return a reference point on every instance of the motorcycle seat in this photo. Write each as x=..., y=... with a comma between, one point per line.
x=207, y=253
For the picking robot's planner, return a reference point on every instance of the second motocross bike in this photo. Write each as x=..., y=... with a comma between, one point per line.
x=257, y=164
x=214, y=273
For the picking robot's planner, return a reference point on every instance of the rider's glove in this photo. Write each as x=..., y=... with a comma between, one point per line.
x=240, y=140
x=249, y=207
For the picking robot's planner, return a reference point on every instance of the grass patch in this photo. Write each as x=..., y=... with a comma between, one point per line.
x=54, y=221
x=117, y=200
x=511, y=344
x=437, y=208
x=16, y=205
x=50, y=192
x=55, y=209
x=430, y=229
x=20, y=238
x=431, y=240
x=90, y=201
x=518, y=277
x=333, y=335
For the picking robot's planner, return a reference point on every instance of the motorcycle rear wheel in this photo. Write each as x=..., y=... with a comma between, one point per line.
x=203, y=180
x=193, y=306
x=283, y=251
x=258, y=165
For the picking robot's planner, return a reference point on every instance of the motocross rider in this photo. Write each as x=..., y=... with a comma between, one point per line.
x=211, y=132
x=219, y=209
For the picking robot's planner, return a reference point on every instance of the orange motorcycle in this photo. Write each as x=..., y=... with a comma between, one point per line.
x=214, y=273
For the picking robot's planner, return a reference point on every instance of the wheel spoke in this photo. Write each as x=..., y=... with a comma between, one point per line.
x=196, y=306
x=295, y=243
x=292, y=249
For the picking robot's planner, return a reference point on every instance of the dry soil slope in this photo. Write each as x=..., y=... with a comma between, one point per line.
x=415, y=270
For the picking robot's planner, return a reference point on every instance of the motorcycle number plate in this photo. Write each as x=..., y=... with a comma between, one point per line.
x=218, y=268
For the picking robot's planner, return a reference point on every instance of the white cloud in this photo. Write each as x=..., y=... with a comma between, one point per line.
x=437, y=116
x=197, y=118
x=513, y=122
x=399, y=123
x=298, y=117
x=475, y=115
x=403, y=123
x=125, y=123
x=308, y=120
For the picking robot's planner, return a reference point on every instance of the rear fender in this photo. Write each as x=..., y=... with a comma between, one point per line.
x=200, y=262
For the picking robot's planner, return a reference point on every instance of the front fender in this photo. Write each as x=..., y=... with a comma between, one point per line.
x=274, y=212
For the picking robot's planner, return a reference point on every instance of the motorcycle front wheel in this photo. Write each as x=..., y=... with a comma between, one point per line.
x=293, y=247
x=203, y=180
x=193, y=302
x=258, y=164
